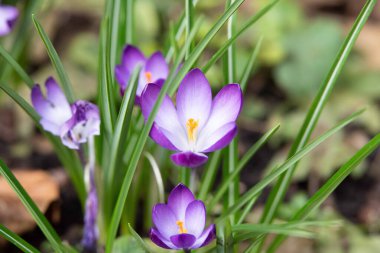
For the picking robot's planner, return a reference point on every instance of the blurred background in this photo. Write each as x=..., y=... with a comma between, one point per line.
x=301, y=39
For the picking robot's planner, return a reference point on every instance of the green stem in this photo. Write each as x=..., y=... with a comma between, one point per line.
x=185, y=176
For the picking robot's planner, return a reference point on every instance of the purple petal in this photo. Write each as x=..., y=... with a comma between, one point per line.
x=122, y=77
x=8, y=17
x=195, y=220
x=189, y=159
x=157, y=238
x=179, y=199
x=157, y=135
x=157, y=66
x=225, y=108
x=54, y=109
x=207, y=236
x=164, y=220
x=132, y=57
x=219, y=139
x=194, y=98
x=166, y=118
x=183, y=241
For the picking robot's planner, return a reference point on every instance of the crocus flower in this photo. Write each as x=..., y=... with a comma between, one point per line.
x=180, y=224
x=8, y=17
x=153, y=70
x=199, y=124
x=74, y=124
x=90, y=230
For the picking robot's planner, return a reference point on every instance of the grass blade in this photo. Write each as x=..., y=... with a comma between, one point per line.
x=251, y=61
x=17, y=240
x=285, y=166
x=315, y=111
x=32, y=208
x=246, y=158
x=209, y=175
x=56, y=61
x=20, y=71
x=157, y=176
x=320, y=196
x=236, y=35
x=139, y=240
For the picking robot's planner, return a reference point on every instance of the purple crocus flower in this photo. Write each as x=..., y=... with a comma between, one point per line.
x=153, y=70
x=90, y=230
x=199, y=124
x=180, y=224
x=8, y=17
x=74, y=124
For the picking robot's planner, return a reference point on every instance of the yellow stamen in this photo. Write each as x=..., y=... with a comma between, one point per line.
x=181, y=226
x=192, y=126
x=148, y=76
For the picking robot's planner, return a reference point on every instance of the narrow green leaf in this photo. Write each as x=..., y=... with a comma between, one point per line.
x=230, y=41
x=285, y=166
x=139, y=240
x=209, y=175
x=32, y=208
x=251, y=61
x=20, y=71
x=56, y=61
x=312, y=117
x=130, y=18
x=157, y=176
x=321, y=195
x=245, y=159
x=17, y=240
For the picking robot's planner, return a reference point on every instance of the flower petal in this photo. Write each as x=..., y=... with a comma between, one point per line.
x=132, y=57
x=157, y=135
x=164, y=220
x=194, y=98
x=8, y=17
x=218, y=139
x=122, y=77
x=157, y=66
x=195, y=219
x=179, y=198
x=159, y=240
x=225, y=108
x=207, y=236
x=189, y=159
x=166, y=118
x=183, y=241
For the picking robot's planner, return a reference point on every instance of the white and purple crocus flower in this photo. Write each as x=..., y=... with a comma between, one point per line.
x=153, y=70
x=180, y=224
x=8, y=17
x=198, y=124
x=73, y=123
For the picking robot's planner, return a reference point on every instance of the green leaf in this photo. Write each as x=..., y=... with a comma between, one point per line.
x=236, y=35
x=56, y=61
x=245, y=159
x=321, y=195
x=32, y=208
x=17, y=240
x=315, y=111
x=139, y=240
x=285, y=166
x=20, y=71
x=251, y=61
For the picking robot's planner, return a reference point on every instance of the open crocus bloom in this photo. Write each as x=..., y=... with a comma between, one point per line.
x=74, y=124
x=180, y=224
x=8, y=17
x=199, y=124
x=153, y=70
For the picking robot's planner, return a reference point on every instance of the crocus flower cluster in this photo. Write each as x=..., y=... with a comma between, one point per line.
x=153, y=70
x=8, y=17
x=180, y=224
x=197, y=124
x=73, y=123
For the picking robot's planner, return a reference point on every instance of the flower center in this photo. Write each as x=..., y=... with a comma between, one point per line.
x=148, y=76
x=192, y=127
x=181, y=226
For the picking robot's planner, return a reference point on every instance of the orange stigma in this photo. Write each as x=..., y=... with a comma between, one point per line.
x=192, y=126
x=148, y=76
x=181, y=226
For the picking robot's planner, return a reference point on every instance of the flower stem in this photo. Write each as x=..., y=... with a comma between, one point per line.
x=187, y=250
x=185, y=176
